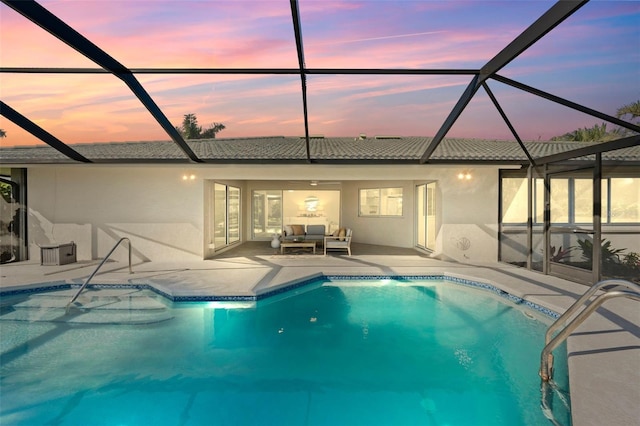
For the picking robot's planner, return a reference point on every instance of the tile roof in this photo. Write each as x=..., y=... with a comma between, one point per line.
x=280, y=148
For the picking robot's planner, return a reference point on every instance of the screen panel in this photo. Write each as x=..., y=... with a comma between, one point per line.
x=411, y=34
x=350, y=105
x=186, y=34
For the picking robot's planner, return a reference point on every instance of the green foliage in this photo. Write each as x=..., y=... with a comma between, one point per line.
x=5, y=191
x=210, y=132
x=608, y=254
x=632, y=109
x=632, y=260
x=560, y=255
x=599, y=132
x=191, y=130
x=588, y=134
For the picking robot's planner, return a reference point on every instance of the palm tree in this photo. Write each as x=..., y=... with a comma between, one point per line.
x=191, y=130
x=600, y=132
x=595, y=133
x=210, y=132
x=632, y=109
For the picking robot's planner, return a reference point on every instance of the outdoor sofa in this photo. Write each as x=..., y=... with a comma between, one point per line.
x=309, y=233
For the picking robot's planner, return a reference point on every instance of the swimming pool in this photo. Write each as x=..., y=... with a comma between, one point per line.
x=334, y=352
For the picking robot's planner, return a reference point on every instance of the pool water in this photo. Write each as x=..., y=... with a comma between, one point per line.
x=330, y=353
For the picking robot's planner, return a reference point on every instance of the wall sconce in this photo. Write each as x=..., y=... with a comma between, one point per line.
x=464, y=175
x=187, y=176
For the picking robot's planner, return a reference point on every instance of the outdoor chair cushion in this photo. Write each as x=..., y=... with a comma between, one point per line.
x=316, y=230
x=342, y=241
x=298, y=229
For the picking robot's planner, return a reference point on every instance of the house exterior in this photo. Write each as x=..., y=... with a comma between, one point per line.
x=538, y=204
x=174, y=209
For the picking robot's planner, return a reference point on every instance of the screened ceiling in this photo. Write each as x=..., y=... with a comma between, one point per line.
x=113, y=71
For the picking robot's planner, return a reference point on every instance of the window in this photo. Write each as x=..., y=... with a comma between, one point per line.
x=624, y=200
x=620, y=200
x=267, y=213
x=571, y=200
x=381, y=202
x=514, y=200
x=272, y=209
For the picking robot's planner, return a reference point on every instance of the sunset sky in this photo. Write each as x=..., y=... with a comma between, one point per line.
x=593, y=58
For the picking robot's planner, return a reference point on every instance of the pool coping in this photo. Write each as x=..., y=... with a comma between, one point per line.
x=284, y=288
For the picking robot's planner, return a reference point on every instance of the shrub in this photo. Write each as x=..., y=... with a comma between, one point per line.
x=608, y=254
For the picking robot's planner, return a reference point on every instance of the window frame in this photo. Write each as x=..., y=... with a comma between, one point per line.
x=232, y=232
x=380, y=202
x=607, y=205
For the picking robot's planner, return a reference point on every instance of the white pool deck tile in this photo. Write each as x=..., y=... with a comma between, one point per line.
x=604, y=352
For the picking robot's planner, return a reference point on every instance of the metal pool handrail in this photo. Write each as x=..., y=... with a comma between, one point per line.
x=98, y=268
x=546, y=357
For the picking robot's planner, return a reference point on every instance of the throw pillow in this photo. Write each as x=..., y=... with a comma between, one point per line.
x=342, y=234
x=336, y=233
x=288, y=230
x=298, y=229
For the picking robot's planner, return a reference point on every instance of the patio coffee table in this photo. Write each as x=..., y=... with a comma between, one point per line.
x=301, y=244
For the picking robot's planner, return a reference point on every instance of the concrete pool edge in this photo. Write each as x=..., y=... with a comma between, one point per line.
x=465, y=280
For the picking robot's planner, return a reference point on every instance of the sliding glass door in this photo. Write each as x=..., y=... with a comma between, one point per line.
x=426, y=216
x=571, y=225
x=267, y=213
x=13, y=215
x=226, y=215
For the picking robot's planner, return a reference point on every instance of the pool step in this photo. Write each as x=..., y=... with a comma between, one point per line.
x=93, y=307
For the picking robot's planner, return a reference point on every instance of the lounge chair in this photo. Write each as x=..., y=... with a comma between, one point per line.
x=339, y=242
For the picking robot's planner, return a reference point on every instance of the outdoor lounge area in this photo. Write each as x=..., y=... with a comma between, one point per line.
x=292, y=140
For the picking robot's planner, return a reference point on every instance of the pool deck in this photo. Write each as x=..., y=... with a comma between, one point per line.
x=604, y=352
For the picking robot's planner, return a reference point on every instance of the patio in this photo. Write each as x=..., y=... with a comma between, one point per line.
x=608, y=338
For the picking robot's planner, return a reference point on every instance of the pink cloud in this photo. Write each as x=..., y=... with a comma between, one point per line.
x=186, y=34
x=27, y=45
x=431, y=49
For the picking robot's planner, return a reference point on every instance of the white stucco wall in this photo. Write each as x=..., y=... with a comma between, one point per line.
x=386, y=231
x=167, y=217
x=94, y=206
x=469, y=212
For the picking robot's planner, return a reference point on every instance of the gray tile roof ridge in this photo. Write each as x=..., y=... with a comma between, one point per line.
x=293, y=148
x=315, y=138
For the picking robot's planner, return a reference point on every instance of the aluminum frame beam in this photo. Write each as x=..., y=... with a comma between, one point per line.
x=297, y=29
x=37, y=131
x=62, y=31
x=548, y=21
x=462, y=103
x=567, y=103
x=597, y=148
x=508, y=122
x=248, y=71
